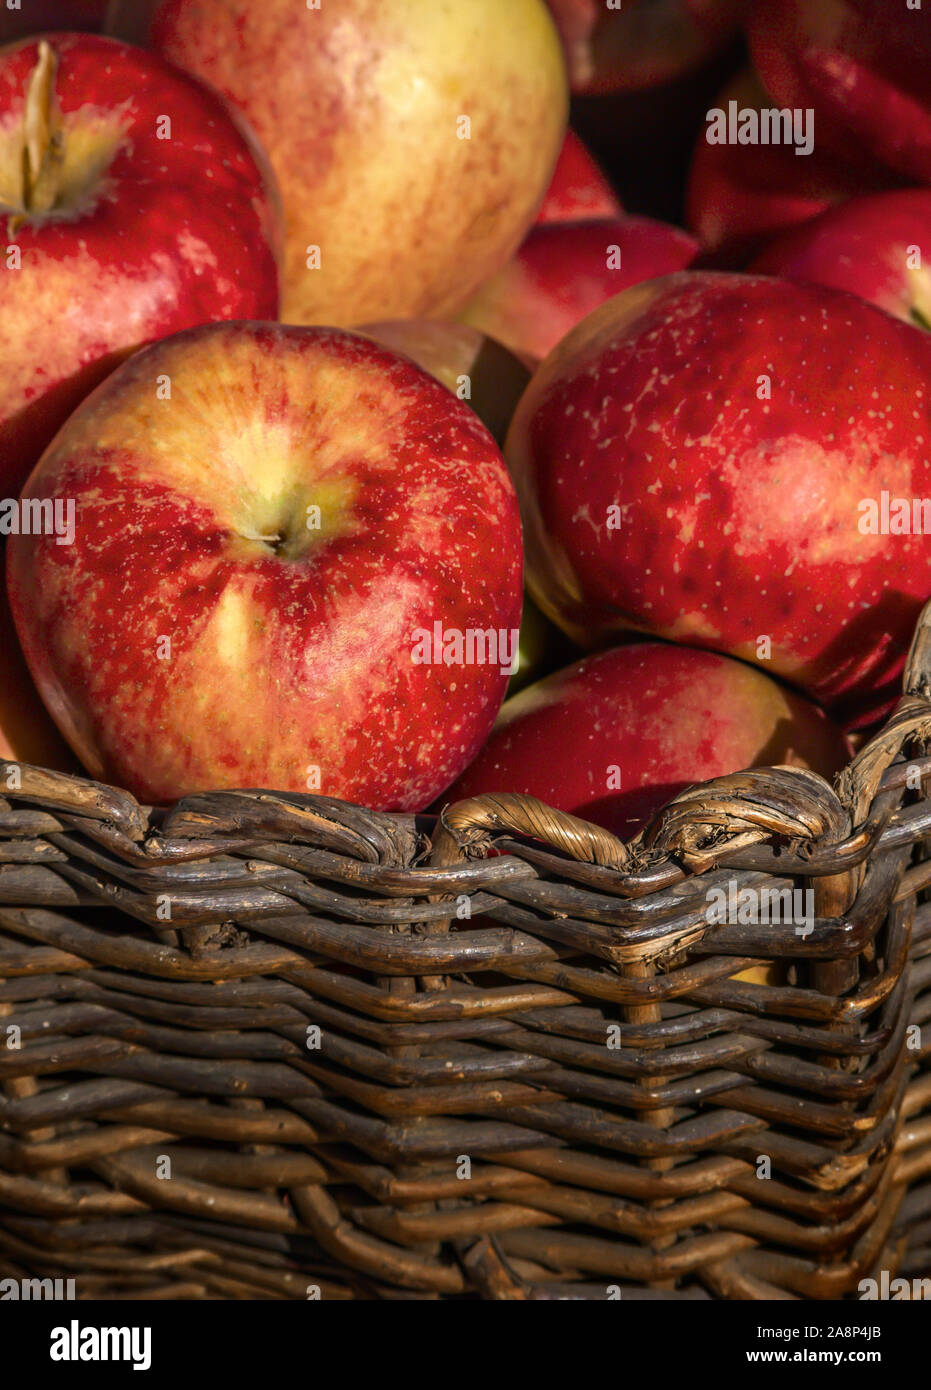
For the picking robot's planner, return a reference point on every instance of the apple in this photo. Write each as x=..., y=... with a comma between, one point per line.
x=579, y=188
x=612, y=46
x=27, y=733
x=861, y=66
x=739, y=195
x=564, y=271
x=871, y=246
x=413, y=141
x=615, y=736
x=715, y=459
x=301, y=571
x=473, y=366
x=120, y=228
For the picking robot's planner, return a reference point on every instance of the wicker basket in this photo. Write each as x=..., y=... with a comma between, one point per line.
x=262, y=1045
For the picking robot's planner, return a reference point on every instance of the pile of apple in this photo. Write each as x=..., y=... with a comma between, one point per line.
x=328, y=352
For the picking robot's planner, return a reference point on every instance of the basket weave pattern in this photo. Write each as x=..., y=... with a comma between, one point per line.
x=503, y=1054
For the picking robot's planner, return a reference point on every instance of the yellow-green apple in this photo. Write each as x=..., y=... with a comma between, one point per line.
x=615, y=736
x=739, y=195
x=473, y=366
x=135, y=206
x=413, y=141
x=861, y=66
x=873, y=246
x=745, y=453
x=621, y=47
x=564, y=271
x=579, y=188
x=27, y=733
x=300, y=568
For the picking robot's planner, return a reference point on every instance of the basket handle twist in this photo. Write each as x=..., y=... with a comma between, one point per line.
x=466, y=825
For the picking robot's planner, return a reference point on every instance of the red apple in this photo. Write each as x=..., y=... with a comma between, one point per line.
x=579, y=188
x=861, y=66
x=872, y=246
x=623, y=47
x=413, y=141
x=125, y=229
x=259, y=568
x=473, y=366
x=617, y=735
x=564, y=271
x=713, y=458
x=27, y=733
x=739, y=195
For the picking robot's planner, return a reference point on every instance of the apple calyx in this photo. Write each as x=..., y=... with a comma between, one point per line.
x=43, y=140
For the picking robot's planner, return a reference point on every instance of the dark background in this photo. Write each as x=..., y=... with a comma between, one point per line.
x=645, y=139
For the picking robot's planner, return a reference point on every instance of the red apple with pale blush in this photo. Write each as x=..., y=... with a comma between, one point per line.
x=731, y=439
x=615, y=736
x=413, y=141
x=740, y=195
x=120, y=228
x=861, y=65
x=563, y=272
x=255, y=562
x=579, y=188
x=874, y=246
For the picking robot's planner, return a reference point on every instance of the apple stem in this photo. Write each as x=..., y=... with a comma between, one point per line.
x=43, y=139
x=257, y=536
